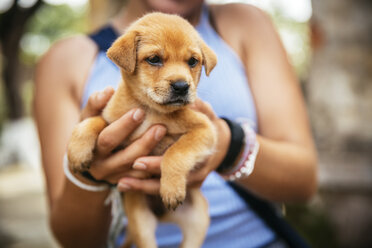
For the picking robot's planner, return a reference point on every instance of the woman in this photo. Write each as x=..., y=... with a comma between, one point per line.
x=253, y=80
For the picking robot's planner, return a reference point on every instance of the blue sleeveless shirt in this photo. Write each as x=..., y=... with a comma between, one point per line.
x=233, y=223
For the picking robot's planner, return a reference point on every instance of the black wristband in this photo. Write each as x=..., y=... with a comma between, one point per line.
x=235, y=147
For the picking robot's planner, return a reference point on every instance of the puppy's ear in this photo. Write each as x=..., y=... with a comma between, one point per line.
x=209, y=57
x=124, y=51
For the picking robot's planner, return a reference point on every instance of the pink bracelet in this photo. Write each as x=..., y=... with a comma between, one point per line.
x=244, y=167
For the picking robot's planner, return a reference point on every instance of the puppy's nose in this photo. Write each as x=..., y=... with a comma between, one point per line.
x=180, y=88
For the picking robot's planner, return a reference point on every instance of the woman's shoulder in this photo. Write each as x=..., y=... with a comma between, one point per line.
x=241, y=24
x=236, y=13
x=67, y=53
x=67, y=62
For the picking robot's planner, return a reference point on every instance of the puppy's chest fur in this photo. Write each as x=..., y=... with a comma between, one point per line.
x=174, y=132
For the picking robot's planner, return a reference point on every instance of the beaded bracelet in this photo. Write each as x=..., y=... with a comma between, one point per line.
x=245, y=165
x=80, y=184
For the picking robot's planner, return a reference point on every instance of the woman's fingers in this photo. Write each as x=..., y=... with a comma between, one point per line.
x=139, y=179
x=152, y=185
x=140, y=147
x=123, y=160
x=114, y=178
x=147, y=186
x=96, y=102
x=151, y=164
x=115, y=133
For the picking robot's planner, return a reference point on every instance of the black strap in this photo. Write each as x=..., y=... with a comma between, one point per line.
x=104, y=37
x=235, y=146
x=272, y=218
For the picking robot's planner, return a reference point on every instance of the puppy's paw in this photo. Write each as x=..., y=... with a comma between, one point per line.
x=80, y=149
x=172, y=195
x=80, y=160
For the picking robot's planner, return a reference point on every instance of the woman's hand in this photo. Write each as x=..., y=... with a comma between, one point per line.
x=151, y=164
x=109, y=166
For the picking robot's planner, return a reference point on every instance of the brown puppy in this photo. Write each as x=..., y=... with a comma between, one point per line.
x=161, y=58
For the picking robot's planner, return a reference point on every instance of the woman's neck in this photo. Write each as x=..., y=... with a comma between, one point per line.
x=135, y=9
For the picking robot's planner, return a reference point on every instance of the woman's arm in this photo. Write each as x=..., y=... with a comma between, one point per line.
x=286, y=164
x=74, y=213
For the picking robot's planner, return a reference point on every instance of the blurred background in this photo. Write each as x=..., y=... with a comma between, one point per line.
x=329, y=43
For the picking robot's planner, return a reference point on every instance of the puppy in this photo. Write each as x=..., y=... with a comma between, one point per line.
x=161, y=58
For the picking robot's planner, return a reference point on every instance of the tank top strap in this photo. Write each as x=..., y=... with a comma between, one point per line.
x=104, y=37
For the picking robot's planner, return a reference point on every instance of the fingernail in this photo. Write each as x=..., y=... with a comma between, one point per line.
x=138, y=115
x=159, y=133
x=139, y=166
x=123, y=186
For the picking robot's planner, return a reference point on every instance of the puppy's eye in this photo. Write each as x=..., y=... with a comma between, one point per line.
x=192, y=62
x=154, y=60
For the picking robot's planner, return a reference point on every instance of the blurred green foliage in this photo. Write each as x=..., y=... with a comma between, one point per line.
x=49, y=24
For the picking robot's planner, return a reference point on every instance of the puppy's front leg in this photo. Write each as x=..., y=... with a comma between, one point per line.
x=83, y=141
x=191, y=148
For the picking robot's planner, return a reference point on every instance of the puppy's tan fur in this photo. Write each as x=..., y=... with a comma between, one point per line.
x=190, y=135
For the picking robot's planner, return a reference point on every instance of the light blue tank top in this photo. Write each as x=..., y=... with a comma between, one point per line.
x=233, y=223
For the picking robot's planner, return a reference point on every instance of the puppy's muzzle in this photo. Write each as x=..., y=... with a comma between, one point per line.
x=179, y=93
x=180, y=88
